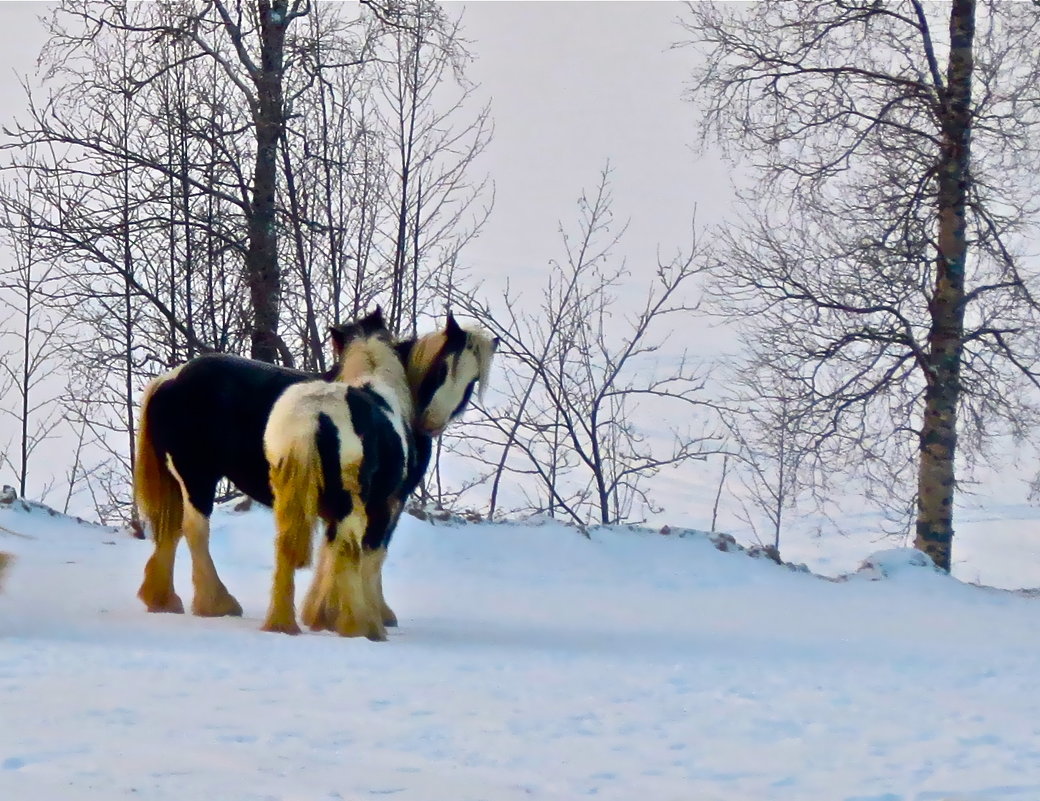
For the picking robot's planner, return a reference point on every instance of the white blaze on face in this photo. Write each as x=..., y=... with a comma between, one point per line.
x=454, y=393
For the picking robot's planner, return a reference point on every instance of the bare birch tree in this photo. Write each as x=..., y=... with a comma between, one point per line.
x=772, y=457
x=894, y=143
x=435, y=207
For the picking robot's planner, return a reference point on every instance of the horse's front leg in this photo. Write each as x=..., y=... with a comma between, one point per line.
x=381, y=524
x=313, y=612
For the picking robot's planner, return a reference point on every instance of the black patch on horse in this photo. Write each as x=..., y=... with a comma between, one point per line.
x=466, y=396
x=431, y=382
x=404, y=350
x=382, y=470
x=334, y=502
x=454, y=343
x=345, y=333
x=419, y=453
x=210, y=419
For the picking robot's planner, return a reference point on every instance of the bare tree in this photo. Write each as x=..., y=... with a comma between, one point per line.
x=587, y=388
x=772, y=455
x=247, y=43
x=24, y=289
x=184, y=153
x=878, y=254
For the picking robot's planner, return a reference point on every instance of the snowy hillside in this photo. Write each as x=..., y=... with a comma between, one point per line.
x=530, y=663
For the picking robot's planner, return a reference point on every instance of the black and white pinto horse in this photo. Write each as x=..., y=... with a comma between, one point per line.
x=207, y=419
x=340, y=455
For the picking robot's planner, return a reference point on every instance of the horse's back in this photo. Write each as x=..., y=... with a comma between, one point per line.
x=295, y=420
x=209, y=415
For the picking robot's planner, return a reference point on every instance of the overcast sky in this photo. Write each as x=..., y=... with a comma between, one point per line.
x=573, y=84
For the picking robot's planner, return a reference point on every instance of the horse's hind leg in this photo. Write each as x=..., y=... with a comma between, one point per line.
x=157, y=588
x=292, y=551
x=372, y=574
x=211, y=596
x=281, y=615
x=355, y=617
x=338, y=600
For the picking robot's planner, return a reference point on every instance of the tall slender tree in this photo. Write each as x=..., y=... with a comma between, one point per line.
x=879, y=252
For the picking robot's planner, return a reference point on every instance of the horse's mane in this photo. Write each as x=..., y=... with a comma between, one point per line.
x=373, y=357
x=428, y=348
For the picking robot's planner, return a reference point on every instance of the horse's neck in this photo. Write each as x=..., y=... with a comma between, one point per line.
x=377, y=363
x=421, y=359
x=356, y=364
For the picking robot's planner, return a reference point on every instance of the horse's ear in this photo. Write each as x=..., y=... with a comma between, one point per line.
x=338, y=340
x=495, y=342
x=454, y=335
x=374, y=322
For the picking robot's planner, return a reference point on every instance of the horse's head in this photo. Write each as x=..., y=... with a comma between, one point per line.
x=345, y=333
x=443, y=369
x=362, y=347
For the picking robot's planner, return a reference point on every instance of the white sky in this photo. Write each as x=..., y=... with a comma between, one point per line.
x=573, y=84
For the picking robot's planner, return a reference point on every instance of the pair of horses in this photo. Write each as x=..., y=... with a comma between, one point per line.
x=345, y=448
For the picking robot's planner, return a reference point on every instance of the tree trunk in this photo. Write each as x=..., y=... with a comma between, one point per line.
x=23, y=466
x=938, y=446
x=262, y=274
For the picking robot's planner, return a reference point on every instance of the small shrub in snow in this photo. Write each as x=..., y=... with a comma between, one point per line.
x=888, y=563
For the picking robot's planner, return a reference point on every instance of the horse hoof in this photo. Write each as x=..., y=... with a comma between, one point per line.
x=318, y=618
x=355, y=628
x=221, y=607
x=281, y=628
x=376, y=632
x=172, y=604
x=389, y=619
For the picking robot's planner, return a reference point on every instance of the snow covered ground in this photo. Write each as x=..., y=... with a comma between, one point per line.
x=530, y=663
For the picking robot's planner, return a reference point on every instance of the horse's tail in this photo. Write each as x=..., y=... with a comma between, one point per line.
x=157, y=492
x=296, y=483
